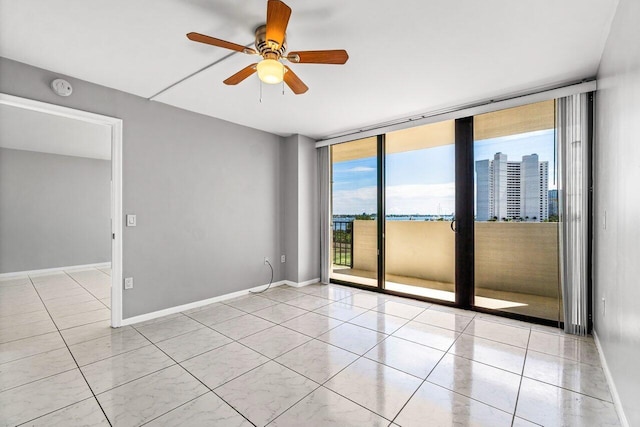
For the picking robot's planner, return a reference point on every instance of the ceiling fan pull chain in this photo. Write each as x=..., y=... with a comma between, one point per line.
x=260, y=91
x=282, y=87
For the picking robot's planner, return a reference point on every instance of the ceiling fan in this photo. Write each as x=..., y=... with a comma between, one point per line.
x=271, y=45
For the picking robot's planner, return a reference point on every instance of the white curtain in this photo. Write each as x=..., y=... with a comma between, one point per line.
x=573, y=198
x=324, y=178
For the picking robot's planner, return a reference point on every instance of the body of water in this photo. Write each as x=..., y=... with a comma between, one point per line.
x=400, y=218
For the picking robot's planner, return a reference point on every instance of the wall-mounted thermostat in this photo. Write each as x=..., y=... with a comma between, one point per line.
x=61, y=87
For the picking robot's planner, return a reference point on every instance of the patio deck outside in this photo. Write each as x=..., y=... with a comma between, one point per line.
x=516, y=268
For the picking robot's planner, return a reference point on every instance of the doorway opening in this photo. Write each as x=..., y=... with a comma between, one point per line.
x=49, y=134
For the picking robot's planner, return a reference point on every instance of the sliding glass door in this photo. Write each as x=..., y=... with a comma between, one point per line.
x=354, y=201
x=463, y=212
x=516, y=212
x=419, y=209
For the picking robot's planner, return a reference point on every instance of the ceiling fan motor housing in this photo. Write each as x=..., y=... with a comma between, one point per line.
x=268, y=49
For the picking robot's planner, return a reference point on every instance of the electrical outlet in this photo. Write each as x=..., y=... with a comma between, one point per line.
x=283, y=258
x=266, y=260
x=128, y=282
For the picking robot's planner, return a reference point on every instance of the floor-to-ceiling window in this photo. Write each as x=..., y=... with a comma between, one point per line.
x=354, y=202
x=463, y=212
x=419, y=209
x=516, y=211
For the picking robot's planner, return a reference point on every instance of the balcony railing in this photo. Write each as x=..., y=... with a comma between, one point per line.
x=343, y=243
x=516, y=263
x=509, y=256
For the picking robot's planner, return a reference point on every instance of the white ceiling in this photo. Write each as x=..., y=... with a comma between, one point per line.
x=406, y=57
x=29, y=130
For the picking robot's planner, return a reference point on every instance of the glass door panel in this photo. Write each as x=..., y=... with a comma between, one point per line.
x=419, y=210
x=516, y=211
x=354, y=197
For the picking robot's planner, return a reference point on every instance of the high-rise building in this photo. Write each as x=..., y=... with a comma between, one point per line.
x=512, y=190
x=553, y=202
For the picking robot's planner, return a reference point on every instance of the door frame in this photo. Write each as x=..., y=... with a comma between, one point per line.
x=115, y=125
x=464, y=215
x=381, y=212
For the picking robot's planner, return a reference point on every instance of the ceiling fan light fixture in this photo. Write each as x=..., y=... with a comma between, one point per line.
x=270, y=71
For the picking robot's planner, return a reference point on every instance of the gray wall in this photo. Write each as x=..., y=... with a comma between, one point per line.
x=301, y=219
x=289, y=187
x=308, y=211
x=54, y=210
x=206, y=193
x=617, y=174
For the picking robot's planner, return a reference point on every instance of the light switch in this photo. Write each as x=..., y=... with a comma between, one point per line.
x=131, y=220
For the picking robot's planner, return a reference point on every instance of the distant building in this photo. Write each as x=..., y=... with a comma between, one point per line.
x=512, y=190
x=553, y=202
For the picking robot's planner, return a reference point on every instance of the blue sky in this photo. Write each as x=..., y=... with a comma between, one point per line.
x=422, y=181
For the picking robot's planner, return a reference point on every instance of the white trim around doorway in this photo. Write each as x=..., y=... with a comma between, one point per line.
x=116, y=183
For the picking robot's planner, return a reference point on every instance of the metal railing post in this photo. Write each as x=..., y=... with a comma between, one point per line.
x=350, y=226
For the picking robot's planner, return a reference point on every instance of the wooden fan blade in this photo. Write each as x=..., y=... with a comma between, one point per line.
x=294, y=82
x=201, y=38
x=319, y=57
x=241, y=75
x=278, y=15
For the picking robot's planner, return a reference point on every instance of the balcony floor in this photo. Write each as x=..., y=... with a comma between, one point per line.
x=512, y=302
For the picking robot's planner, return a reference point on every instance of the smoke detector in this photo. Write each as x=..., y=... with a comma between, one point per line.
x=61, y=87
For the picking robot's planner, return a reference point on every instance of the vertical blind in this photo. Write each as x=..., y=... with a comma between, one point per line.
x=573, y=201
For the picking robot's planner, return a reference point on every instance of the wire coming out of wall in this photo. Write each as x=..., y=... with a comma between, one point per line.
x=270, y=281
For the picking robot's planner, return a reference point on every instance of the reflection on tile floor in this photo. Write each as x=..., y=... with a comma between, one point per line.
x=317, y=356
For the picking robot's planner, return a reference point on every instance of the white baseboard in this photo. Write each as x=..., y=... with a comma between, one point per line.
x=301, y=284
x=192, y=305
x=55, y=270
x=612, y=386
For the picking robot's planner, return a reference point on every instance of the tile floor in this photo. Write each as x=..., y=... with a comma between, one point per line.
x=312, y=356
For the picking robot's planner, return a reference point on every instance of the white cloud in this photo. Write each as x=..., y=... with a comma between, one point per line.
x=421, y=198
x=358, y=200
x=401, y=199
x=360, y=169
